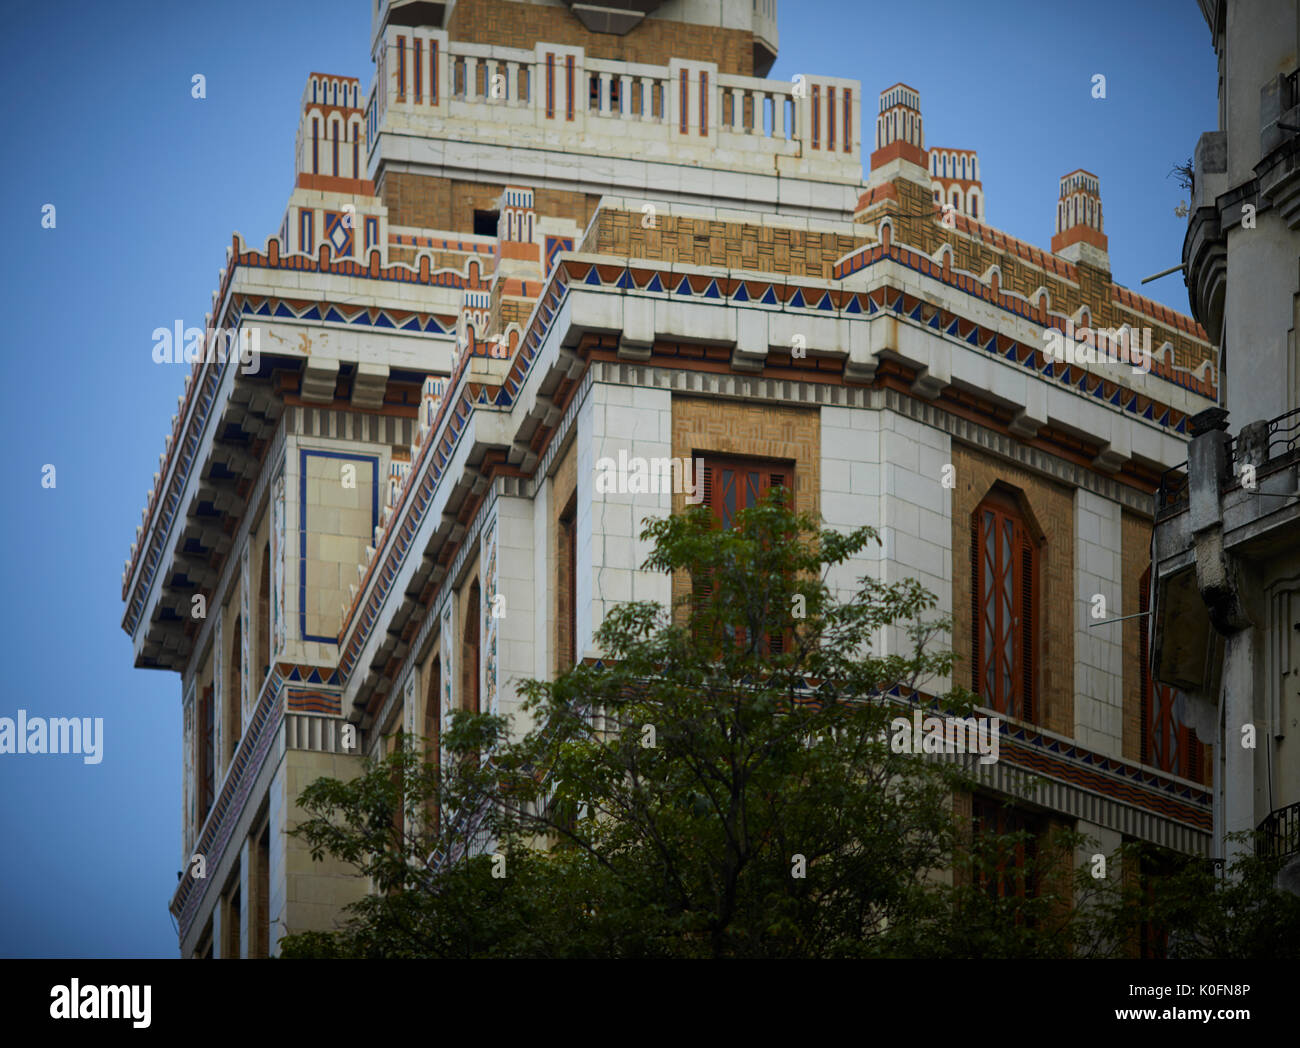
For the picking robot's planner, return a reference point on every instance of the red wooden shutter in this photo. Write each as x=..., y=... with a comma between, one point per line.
x=572, y=571
x=1144, y=671
x=207, y=756
x=777, y=639
x=1003, y=586
x=1027, y=631
x=975, y=668
x=702, y=583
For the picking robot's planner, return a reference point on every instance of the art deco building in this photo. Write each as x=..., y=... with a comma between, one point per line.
x=550, y=233
x=1227, y=546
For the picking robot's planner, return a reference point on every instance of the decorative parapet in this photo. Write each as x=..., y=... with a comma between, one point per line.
x=790, y=299
x=203, y=381
x=428, y=86
x=1006, y=270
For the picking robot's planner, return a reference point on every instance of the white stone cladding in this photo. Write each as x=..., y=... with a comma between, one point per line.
x=541, y=619
x=519, y=563
x=638, y=423
x=917, y=514
x=1098, y=650
x=886, y=470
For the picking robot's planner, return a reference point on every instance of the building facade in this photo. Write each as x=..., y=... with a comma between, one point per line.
x=553, y=234
x=1227, y=548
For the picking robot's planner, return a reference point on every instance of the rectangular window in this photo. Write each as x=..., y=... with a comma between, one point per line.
x=261, y=914
x=704, y=102
x=306, y=242
x=1155, y=865
x=568, y=87
x=1003, y=570
x=1012, y=873
x=593, y=93
x=356, y=156
x=566, y=586
x=730, y=485
x=207, y=764
x=433, y=734
x=231, y=931
x=830, y=119
x=685, y=87
x=550, y=86
x=334, y=145
x=234, y=713
x=315, y=146
x=470, y=683
x=417, y=65
x=433, y=72
x=816, y=116
x=401, y=69
x=848, y=119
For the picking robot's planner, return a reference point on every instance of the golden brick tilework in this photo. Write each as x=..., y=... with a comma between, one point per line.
x=1053, y=509
x=730, y=245
x=430, y=202
x=655, y=41
x=703, y=425
x=917, y=225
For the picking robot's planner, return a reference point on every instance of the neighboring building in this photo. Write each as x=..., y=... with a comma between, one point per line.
x=587, y=231
x=1227, y=548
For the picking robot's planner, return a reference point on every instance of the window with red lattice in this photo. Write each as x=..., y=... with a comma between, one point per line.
x=729, y=485
x=1011, y=871
x=1004, y=558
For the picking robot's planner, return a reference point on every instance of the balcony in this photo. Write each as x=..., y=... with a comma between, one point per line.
x=1279, y=833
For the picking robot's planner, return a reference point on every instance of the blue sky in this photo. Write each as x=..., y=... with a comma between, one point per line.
x=149, y=183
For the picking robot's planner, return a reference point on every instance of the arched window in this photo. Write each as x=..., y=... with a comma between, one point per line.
x=974, y=206
x=1004, y=559
x=1167, y=743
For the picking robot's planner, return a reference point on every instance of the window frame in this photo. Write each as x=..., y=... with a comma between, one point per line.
x=772, y=472
x=1016, y=689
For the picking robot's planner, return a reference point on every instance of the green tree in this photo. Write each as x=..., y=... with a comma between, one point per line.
x=721, y=784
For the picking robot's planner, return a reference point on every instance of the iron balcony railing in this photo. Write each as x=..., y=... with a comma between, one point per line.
x=1284, y=435
x=1172, y=494
x=1279, y=833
